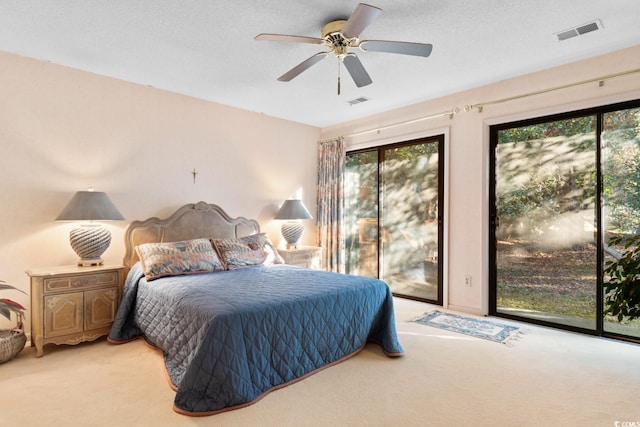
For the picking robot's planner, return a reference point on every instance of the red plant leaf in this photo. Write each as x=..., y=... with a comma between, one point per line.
x=12, y=304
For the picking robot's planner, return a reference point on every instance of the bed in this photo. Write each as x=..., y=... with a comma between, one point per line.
x=230, y=335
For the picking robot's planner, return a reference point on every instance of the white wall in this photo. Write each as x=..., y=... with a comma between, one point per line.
x=63, y=130
x=467, y=150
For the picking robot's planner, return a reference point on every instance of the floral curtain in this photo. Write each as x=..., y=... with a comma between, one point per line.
x=331, y=166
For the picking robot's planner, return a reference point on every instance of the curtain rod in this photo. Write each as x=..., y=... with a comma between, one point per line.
x=480, y=106
x=600, y=80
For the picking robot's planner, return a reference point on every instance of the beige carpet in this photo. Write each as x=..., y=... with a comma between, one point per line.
x=548, y=378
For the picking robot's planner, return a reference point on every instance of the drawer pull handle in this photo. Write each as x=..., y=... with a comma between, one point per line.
x=84, y=282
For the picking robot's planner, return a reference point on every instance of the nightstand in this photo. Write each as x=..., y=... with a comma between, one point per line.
x=73, y=304
x=303, y=256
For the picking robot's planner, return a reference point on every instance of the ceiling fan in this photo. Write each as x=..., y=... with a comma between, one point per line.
x=342, y=35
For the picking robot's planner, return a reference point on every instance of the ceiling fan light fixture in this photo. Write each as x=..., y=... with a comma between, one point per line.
x=341, y=35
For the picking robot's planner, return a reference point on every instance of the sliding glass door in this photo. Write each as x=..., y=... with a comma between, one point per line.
x=562, y=186
x=361, y=213
x=545, y=217
x=393, y=216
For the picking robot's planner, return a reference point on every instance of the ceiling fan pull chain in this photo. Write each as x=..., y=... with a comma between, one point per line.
x=339, y=77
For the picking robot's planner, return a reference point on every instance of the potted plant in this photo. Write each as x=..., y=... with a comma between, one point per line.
x=622, y=279
x=12, y=341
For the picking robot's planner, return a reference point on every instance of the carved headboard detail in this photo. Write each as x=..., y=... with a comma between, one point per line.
x=191, y=221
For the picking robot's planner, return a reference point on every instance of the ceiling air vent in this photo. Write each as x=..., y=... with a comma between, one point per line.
x=579, y=30
x=358, y=100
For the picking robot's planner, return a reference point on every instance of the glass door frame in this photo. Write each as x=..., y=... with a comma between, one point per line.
x=493, y=217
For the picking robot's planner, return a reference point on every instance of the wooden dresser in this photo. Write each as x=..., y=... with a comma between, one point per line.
x=73, y=304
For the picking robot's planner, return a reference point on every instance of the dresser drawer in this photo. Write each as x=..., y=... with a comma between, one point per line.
x=304, y=256
x=76, y=281
x=300, y=258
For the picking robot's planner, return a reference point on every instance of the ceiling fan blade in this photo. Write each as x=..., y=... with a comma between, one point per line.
x=363, y=15
x=357, y=71
x=404, y=48
x=303, y=66
x=286, y=38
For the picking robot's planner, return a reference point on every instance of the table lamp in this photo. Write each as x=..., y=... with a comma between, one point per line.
x=292, y=210
x=91, y=239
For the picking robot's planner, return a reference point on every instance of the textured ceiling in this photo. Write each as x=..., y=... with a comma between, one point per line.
x=206, y=48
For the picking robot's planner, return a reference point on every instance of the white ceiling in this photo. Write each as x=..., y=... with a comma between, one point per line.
x=206, y=48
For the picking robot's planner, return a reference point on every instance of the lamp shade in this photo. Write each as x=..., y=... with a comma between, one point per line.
x=293, y=209
x=90, y=206
x=90, y=241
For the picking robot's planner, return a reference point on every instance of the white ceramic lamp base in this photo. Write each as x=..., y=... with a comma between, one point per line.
x=292, y=232
x=90, y=241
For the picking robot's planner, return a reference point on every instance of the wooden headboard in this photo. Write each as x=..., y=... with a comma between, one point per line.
x=191, y=221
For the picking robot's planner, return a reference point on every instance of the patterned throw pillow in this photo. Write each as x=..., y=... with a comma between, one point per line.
x=175, y=258
x=247, y=251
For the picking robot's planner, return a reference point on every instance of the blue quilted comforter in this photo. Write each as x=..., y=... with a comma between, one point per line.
x=230, y=337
